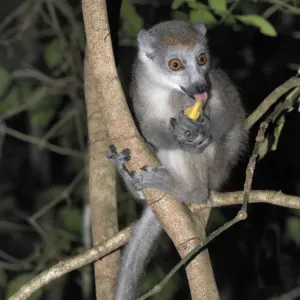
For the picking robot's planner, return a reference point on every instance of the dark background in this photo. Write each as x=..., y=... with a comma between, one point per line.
x=41, y=59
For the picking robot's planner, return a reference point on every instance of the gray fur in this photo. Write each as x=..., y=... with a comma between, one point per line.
x=136, y=255
x=159, y=97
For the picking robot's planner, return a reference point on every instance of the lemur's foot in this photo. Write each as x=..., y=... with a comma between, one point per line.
x=118, y=158
x=151, y=177
x=193, y=136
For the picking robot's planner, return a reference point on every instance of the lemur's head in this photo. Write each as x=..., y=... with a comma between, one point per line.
x=176, y=53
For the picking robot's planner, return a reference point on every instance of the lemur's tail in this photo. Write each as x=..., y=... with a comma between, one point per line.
x=136, y=255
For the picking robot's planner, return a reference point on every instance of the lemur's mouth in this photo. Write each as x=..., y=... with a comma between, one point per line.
x=202, y=96
x=195, y=92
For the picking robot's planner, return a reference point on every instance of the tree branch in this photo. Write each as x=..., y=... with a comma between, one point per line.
x=234, y=198
x=270, y=100
x=73, y=263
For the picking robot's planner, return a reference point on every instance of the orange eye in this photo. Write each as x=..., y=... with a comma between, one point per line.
x=202, y=59
x=175, y=64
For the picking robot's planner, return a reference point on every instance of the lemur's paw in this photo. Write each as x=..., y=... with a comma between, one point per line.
x=191, y=135
x=119, y=158
x=151, y=177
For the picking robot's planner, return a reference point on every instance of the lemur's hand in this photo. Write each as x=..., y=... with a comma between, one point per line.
x=192, y=136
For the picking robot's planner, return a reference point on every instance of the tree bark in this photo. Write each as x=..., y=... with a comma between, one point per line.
x=102, y=188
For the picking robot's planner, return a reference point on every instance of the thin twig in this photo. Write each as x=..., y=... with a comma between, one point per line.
x=15, y=13
x=66, y=117
x=44, y=78
x=8, y=257
x=250, y=172
x=289, y=8
x=229, y=11
x=240, y=216
x=41, y=143
x=15, y=267
x=270, y=11
x=68, y=190
x=29, y=101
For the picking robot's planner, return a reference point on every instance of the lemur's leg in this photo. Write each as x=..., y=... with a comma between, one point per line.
x=159, y=178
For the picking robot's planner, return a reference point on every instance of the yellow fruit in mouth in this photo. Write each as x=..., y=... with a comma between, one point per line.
x=193, y=112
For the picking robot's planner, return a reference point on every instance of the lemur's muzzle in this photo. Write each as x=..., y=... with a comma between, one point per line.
x=194, y=89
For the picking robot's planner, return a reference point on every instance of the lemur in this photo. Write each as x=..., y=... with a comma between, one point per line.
x=172, y=69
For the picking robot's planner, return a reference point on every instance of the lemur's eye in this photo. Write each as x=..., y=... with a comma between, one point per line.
x=202, y=59
x=175, y=64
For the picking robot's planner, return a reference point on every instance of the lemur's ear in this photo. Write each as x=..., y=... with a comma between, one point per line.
x=146, y=43
x=201, y=28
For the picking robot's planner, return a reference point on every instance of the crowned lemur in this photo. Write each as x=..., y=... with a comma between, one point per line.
x=171, y=71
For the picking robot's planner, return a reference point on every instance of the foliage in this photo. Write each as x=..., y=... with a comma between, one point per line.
x=208, y=14
x=43, y=117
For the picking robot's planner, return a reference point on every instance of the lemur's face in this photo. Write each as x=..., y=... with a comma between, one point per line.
x=183, y=68
x=177, y=57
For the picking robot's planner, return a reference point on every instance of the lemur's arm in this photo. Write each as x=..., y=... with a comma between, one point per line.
x=119, y=159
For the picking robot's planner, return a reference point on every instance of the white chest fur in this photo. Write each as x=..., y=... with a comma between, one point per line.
x=161, y=107
x=175, y=161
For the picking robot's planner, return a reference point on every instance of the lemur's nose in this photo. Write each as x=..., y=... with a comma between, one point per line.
x=195, y=88
x=200, y=88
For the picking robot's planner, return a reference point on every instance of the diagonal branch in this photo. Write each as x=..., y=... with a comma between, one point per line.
x=271, y=99
x=73, y=263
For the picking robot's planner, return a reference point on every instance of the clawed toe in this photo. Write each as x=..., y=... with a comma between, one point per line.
x=118, y=157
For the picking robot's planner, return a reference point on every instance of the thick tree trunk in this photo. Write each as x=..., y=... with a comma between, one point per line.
x=102, y=188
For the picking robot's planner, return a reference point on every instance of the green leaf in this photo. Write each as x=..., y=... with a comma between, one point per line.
x=14, y=97
x=132, y=22
x=203, y=16
x=197, y=5
x=218, y=5
x=293, y=229
x=71, y=219
x=179, y=15
x=4, y=80
x=54, y=54
x=10, y=101
x=277, y=132
x=16, y=283
x=177, y=3
x=264, y=26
